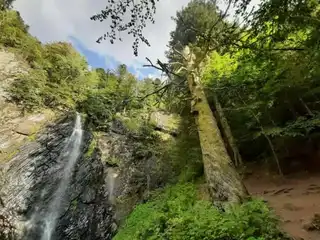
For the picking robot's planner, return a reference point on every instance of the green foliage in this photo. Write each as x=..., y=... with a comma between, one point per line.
x=5, y=4
x=74, y=204
x=193, y=22
x=27, y=89
x=13, y=29
x=92, y=147
x=32, y=137
x=64, y=63
x=113, y=161
x=266, y=92
x=265, y=74
x=279, y=19
x=185, y=152
x=116, y=93
x=14, y=35
x=99, y=107
x=176, y=213
x=132, y=124
x=59, y=77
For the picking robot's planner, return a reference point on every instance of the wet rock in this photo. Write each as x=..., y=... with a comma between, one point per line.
x=31, y=178
x=133, y=169
x=16, y=132
x=105, y=184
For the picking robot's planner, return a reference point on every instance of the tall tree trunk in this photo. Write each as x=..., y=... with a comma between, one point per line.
x=227, y=132
x=224, y=183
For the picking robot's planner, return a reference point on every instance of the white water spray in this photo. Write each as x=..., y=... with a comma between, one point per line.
x=111, y=177
x=71, y=153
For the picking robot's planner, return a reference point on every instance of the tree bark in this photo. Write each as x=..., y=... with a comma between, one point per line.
x=228, y=133
x=224, y=183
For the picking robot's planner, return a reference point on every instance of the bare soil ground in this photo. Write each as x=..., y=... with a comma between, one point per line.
x=295, y=198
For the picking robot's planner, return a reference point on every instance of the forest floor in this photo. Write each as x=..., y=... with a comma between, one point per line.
x=295, y=198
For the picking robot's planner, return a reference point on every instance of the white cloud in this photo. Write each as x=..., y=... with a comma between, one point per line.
x=57, y=20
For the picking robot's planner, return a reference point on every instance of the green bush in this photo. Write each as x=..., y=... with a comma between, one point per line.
x=14, y=35
x=12, y=28
x=99, y=106
x=32, y=51
x=177, y=214
x=27, y=89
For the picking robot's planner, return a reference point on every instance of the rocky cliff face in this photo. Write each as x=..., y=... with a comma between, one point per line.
x=133, y=165
x=31, y=178
x=13, y=126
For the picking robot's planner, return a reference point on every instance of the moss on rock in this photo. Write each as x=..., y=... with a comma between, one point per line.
x=91, y=148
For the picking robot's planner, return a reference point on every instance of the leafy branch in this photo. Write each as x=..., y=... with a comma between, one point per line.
x=140, y=13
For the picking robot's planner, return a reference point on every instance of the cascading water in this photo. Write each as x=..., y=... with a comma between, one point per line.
x=111, y=177
x=71, y=153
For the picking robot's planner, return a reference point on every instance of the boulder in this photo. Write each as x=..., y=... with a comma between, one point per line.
x=26, y=127
x=164, y=122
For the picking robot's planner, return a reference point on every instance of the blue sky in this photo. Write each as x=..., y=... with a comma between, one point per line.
x=109, y=62
x=95, y=60
x=60, y=20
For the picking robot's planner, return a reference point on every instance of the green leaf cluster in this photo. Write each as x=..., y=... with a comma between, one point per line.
x=268, y=83
x=176, y=213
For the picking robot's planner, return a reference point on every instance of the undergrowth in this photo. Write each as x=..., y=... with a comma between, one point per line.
x=176, y=214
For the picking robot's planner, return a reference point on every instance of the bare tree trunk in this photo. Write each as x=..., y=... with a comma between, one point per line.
x=306, y=107
x=273, y=152
x=228, y=133
x=275, y=156
x=224, y=182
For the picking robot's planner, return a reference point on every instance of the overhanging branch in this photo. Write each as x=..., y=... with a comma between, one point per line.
x=163, y=67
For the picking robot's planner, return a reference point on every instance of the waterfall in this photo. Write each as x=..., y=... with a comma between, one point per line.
x=111, y=176
x=70, y=153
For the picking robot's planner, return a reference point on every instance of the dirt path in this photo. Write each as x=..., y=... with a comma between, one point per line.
x=295, y=200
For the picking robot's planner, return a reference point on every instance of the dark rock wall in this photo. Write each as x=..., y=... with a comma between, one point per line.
x=31, y=179
x=136, y=167
x=106, y=184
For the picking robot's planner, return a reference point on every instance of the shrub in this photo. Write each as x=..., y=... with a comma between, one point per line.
x=177, y=214
x=12, y=28
x=99, y=106
x=27, y=89
x=14, y=35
